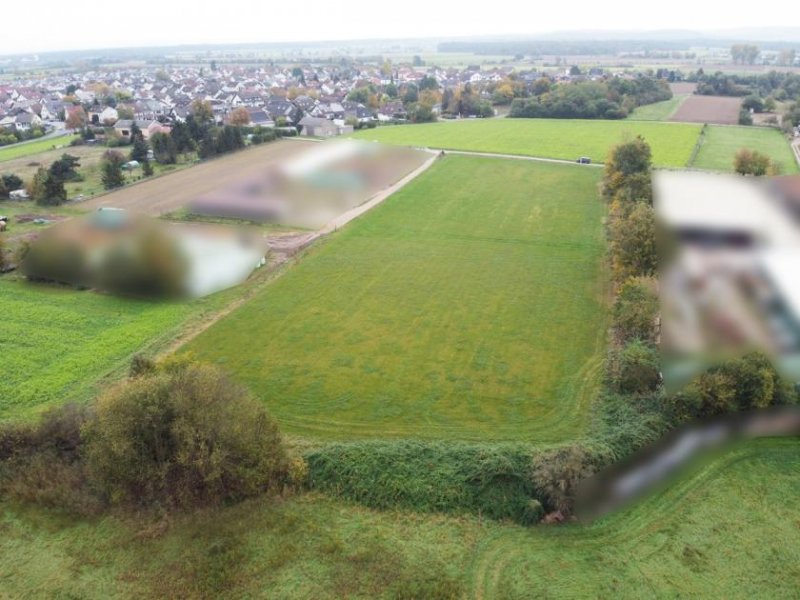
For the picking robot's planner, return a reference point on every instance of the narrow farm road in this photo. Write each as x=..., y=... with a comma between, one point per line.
x=513, y=156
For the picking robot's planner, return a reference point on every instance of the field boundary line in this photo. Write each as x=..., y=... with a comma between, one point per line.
x=795, y=146
x=562, y=161
x=697, y=146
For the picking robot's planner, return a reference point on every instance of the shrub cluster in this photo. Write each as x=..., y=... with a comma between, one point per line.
x=175, y=435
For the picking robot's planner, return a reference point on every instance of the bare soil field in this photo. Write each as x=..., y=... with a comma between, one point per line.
x=166, y=194
x=720, y=110
x=682, y=87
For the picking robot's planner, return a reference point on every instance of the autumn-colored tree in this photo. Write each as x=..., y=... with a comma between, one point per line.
x=76, y=118
x=752, y=162
x=632, y=237
x=240, y=117
x=202, y=111
x=624, y=161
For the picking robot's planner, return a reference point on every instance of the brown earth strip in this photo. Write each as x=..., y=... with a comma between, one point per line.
x=721, y=110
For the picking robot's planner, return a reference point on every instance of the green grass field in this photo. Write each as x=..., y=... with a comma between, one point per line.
x=721, y=143
x=57, y=342
x=469, y=305
x=672, y=143
x=658, y=111
x=34, y=147
x=729, y=530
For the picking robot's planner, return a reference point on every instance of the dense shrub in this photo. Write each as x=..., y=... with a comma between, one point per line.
x=154, y=265
x=752, y=162
x=625, y=423
x=738, y=384
x=48, y=259
x=634, y=368
x=635, y=311
x=557, y=472
x=182, y=438
x=43, y=463
x=490, y=479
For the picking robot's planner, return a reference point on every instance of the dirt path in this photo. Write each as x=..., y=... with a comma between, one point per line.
x=562, y=161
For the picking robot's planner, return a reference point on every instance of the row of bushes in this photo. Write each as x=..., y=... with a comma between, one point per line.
x=612, y=99
x=507, y=481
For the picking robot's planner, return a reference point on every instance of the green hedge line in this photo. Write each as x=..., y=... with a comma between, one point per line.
x=490, y=479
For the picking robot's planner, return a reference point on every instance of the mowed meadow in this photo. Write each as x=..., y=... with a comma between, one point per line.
x=469, y=305
x=720, y=144
x=727, y=530
x=672, y=143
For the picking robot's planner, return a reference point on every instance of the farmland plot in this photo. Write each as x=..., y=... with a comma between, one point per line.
x=720, y=144
x=469, y=305
x=721, y=110
x=672, y=143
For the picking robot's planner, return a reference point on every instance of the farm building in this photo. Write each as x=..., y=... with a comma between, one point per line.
x=731, y=284
x=117, y=252
x=319, y=127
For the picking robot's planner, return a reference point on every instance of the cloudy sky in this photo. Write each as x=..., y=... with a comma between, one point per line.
x=91, y=24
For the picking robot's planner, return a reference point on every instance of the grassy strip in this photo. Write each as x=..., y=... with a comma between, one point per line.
x=658, y=111
x=698, y=145
x=568, y=139
x=488, y=479
x=722, y=142
x=34, y=147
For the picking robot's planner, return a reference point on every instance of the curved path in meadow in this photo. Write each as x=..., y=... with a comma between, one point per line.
x=668, y=544
x=513, y=156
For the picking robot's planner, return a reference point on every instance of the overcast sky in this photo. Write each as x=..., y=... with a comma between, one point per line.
x=51, y=25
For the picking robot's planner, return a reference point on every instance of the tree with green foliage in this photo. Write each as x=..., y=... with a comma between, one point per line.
x=632, y=241
x=46, y=189
x=411, y=94
x=12, y=182
x=744, y=383
x=754, y=103
x=360, y=95
x=165, y=150
x=635, y=311
x=111, y=169
x=139, y=148
x=624, y=160
x=202, y=111
x=66, y=167
x=428, y=82
x=182, y=137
